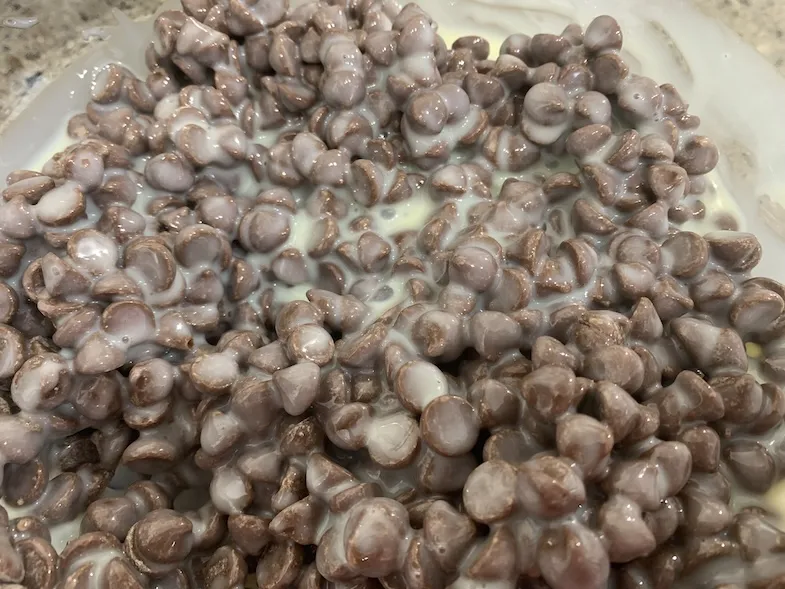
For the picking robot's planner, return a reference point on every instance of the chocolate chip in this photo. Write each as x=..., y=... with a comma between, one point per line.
x=376, y=555
x=755, y=310
x=704, y=445
x=548, y=487
x=713, y=349
x=704, y=515
x=279, y=565
x=737, y=252
x=616, y=364
x=622, y=523
x=752, y=464
x=160, y=538
x=549, y=391
x=603, y=33
x=40, y=562
x=586, y=441
x=571, y=555
x=699, y=155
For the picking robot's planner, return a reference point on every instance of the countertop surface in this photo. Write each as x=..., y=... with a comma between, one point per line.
x=28, y=56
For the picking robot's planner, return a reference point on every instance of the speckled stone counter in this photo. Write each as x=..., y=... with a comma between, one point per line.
x=67, y=28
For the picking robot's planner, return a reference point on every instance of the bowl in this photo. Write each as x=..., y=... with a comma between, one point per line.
x=737, y=94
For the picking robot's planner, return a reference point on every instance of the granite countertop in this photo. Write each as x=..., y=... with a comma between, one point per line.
x=27, y=54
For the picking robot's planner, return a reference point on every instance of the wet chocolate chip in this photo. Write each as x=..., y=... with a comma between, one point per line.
x=752, y=464
x=548, y=487
x=40, y=562
x=704, y=445
x=369, y=552
x=737, y=252
x=616, y=364
x=549, y=391
x=713, y=349
x=586, y=441
x=490, y=492
x=623, y=526
x=572, y=555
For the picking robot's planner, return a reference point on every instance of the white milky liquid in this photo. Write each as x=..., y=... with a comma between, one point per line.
x=61, y=533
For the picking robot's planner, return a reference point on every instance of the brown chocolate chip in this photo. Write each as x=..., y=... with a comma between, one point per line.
x=495, y=403
x=757, y=535
x=417, y=382
x=30, y=189
x=446, y=534
x=627, y=152
x=549, y=391
x=617, y=364
x=11, y=563
x=712, y=290
x=689, y=254
x=493, y=333
x=263, y=229
x=248, y=532
x=226, y=567
x=496, y=558
x=571, y=555
x=42, y=382
x=586, y=441
x=374, y=554
x=530, y=250
x=704, y=515
x=625, y=530
x=444, y=474
x=637, y=480
x=704, y=445
x=111, y=515
x=548, y=487
x=398, y=447
x=490, y=491
x=603, y=33
x=23, y=484
x=64, y=498
x=595, y=330
x=28, y=527
x=279, y=565
x=586, y=218
x=689, y=398
x=700, y=550
x=550, y=351
x=755, y=310
x=634, y=280
x=699, y=156
x=587, y=140
x=299, y=522
x=752, y=464
x=712, y=349
x=439, y=335
x=668, y=182
x=664, y=521
x=40, y=562
x=214, y=374
x=509, y=150
x=160, y=538
x=737, y=252
x=670, y=298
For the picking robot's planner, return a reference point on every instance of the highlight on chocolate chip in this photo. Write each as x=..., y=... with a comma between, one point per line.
x=323, y=302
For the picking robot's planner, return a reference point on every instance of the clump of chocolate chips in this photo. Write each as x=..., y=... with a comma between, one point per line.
x=309, y=306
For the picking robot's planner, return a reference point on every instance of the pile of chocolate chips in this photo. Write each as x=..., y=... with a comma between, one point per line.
x=323, y=302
